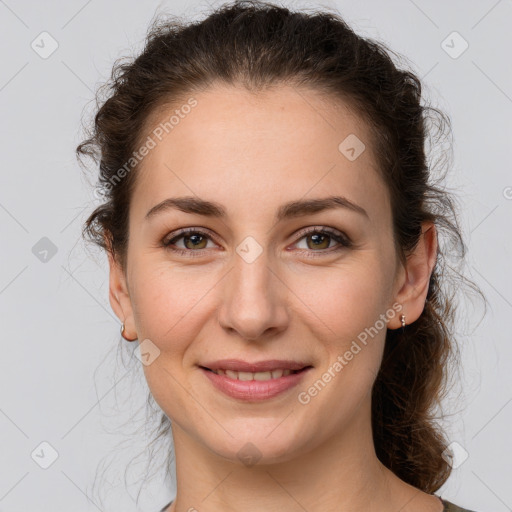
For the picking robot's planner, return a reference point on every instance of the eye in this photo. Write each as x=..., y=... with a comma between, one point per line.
x=194, y=241
x=321, y=239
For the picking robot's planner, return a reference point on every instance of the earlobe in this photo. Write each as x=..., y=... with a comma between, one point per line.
x=420, y=264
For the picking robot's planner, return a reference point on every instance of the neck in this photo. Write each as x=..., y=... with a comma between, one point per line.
x=342, y=474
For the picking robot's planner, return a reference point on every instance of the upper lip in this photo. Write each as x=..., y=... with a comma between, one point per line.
x=259, y=366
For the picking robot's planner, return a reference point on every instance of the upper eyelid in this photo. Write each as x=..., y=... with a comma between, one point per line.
x=320, y=229
x=185, y=231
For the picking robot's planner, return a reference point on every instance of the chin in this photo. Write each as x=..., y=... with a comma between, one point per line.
x=258, y=441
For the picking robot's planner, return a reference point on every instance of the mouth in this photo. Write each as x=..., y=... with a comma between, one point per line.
x=254, y=382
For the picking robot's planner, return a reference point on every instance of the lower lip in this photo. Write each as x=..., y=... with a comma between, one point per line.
x=254, y=390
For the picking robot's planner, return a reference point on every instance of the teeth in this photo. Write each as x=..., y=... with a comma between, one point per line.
x=274, y=374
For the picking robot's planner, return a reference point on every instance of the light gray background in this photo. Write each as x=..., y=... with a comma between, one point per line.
x=57, y=324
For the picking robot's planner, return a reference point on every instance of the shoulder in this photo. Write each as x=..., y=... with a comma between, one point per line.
x=451, y=507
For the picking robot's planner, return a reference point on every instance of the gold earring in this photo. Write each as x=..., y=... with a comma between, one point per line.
x=402, y=320
x=122, y=333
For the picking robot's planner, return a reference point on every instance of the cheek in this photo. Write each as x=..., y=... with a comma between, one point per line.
x=344, y=300
x=350, y=305
x=170, y=309
x=166, y=301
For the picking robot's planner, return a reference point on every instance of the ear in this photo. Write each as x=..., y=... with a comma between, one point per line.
x=415, y=277
x=119, y=295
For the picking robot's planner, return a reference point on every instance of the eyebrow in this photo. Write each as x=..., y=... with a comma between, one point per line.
x=292, y=209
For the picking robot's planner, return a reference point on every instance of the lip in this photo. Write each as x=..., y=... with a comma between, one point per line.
x=255, y=390
x=238, y=365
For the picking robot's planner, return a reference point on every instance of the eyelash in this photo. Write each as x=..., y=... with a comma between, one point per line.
x=341, y=238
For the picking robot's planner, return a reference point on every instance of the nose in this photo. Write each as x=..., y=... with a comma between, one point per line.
x=253, y=302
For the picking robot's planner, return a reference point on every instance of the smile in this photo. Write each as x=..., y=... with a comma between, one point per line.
x=254, y=387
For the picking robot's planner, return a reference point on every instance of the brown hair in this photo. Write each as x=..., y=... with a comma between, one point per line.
x=258, y=45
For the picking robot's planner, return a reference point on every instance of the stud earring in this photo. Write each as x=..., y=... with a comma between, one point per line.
x=402, y=320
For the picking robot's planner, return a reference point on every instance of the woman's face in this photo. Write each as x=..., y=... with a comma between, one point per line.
x=256, y=283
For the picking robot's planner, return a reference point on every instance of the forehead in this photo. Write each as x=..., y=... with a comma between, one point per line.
x=238, y=148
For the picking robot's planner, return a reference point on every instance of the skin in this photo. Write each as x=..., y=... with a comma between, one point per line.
x=252, y=153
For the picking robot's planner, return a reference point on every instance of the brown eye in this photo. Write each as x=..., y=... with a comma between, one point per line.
x=321, y=241
x=193, y=241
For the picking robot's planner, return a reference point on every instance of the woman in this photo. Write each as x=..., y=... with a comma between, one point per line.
x=272, y=235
